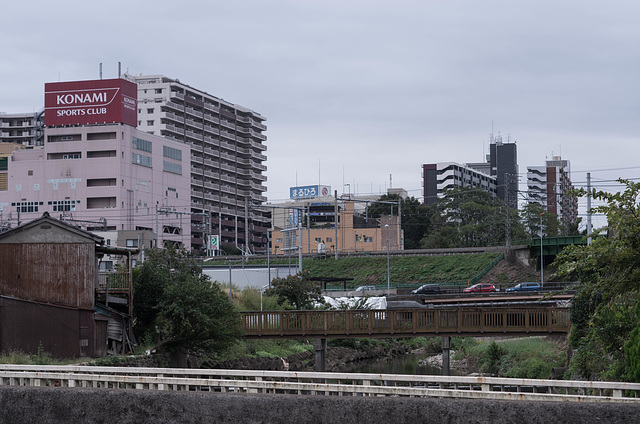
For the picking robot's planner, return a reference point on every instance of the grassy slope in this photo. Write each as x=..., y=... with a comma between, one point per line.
x=410, y=270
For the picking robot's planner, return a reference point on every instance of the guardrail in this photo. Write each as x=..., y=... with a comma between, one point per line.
x=311, y=383
x=411, y=322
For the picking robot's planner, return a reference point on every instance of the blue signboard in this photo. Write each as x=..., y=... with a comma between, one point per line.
x=307, y=192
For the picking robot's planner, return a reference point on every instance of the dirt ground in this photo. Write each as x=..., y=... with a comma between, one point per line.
x=511, y=273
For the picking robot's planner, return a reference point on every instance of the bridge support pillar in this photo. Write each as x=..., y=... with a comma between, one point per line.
x=446, y=348
x=320, y=346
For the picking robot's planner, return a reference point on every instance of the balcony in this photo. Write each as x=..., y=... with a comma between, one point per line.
x=114, y=282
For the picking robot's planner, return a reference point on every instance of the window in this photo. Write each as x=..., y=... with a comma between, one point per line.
x=101, y=202
x=174, y=168
x=29, y=172
x=101, y=154
x=368, y=239
x=67, y=137
x=318, y=240
x=27, y=206
x=106, y=265
x=141, y=160
x=329, y=239
x=278, y=240
x=65, y=155
x=171, y=153
x=150, y=110
x=158, y=90
x=101, y=136
x=101, y=182
x=144, y=145
x=63, y=205
x=132, y=242
x=150, y=122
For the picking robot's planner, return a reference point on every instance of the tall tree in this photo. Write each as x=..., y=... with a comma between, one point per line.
x=416, y=217
x=178, y=308
x=532, y=213
x=295, y=291
x=469, y=217
x=602, y=311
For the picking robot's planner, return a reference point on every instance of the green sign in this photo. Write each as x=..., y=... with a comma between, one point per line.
x=214, y=242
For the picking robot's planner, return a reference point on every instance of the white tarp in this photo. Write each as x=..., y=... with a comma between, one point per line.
x=370, y=303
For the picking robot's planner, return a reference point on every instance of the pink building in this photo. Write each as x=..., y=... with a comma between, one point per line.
x=105, y=177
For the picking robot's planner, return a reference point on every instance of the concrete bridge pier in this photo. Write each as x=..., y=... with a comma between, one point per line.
x=320, y=346
x=446, y=348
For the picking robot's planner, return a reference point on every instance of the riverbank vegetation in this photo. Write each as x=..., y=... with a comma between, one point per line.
x=604, y=316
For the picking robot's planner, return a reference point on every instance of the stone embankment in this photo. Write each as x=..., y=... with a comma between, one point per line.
x=82, y=405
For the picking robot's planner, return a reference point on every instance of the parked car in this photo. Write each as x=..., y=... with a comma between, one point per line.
x=480, y=288
x=366, y=288
x=529, y=286
x=427, y=289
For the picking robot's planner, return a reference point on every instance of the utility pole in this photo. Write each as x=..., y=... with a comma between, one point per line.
x=247, y=243
x=589, y=208
x=335, y=222
x=541, y=256
x=300, y=248
x=399, y=223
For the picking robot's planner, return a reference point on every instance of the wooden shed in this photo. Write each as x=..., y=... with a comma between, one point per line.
x=48, y=279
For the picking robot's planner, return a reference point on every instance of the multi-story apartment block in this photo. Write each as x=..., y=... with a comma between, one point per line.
x=437, y=178
x=22, y=128
x=549, y=186
x=498, y=175
x=226, y=160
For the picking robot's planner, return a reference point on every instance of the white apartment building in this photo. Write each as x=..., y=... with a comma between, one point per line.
x=22, y=128
x=226, y=160
x=437, y=178
x=549, y=186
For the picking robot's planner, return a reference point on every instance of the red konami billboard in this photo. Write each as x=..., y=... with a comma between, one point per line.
x=91, y=102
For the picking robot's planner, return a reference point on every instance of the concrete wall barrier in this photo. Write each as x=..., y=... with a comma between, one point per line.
x=65, y=405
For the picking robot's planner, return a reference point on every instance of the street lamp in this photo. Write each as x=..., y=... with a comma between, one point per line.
x=388, y=272
x=541, y=256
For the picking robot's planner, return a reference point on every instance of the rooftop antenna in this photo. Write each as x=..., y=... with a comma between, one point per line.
x=390, y=181
x=100, y=70
x=119, y=69
x=491, y=139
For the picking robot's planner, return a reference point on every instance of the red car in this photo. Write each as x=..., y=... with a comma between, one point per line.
x=480, y=288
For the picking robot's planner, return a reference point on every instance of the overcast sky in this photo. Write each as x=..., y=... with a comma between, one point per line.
x=357, y=91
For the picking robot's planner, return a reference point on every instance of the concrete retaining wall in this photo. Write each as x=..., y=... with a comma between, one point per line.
x=60, y=405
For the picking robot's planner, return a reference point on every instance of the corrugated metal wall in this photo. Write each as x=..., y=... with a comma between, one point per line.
x=62, y=274
x=62, y=332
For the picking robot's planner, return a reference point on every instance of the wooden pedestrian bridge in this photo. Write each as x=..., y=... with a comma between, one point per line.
x=463, y=321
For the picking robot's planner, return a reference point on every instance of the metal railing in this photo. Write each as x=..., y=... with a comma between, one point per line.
x=114, y=280
x=412, y=322
x=311, y=383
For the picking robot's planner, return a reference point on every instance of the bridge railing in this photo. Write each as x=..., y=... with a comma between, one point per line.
x=311, y=383
x=394, y=323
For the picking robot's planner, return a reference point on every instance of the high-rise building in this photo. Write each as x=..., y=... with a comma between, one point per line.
x=227, y=157
x=498, y=175
x=549, y=186
x=437, y=178
x=22, y=128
